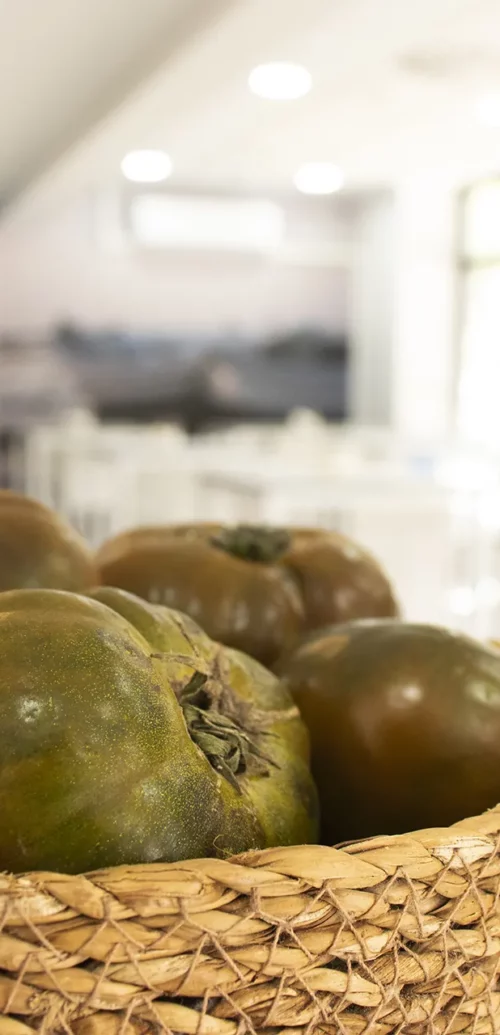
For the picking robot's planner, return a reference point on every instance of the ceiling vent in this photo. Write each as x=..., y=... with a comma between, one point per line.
x=450, y=65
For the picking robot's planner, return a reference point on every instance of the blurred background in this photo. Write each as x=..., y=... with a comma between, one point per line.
x=250, y=271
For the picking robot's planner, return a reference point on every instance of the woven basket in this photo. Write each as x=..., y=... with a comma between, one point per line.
x=394, y=935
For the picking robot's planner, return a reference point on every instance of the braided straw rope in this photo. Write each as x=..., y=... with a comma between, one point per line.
x=394, y=935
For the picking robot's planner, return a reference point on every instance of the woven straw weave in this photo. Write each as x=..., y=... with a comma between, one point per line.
x=395, y=935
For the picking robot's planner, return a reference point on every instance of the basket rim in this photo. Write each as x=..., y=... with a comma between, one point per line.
x=463, y=842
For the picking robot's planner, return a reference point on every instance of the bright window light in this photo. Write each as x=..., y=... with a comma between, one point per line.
x=280, y=81
x=488, y=592
x=488, y=110
x=146, y=166
x=463, y=600
x=482, y=222
x=318, y=178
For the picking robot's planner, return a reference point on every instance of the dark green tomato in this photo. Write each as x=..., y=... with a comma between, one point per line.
x=256, y=589
x=404, y=723
x=99, y=764
x=39, y=550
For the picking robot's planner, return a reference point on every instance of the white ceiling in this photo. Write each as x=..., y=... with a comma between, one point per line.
x=395, y=84
x=67, y=64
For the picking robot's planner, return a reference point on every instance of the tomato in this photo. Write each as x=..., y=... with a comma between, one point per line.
x=404, y=722
x=256, y=589
x=39, y=550
x=127, y=736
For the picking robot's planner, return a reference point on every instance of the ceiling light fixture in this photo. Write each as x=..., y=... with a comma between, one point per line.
x=146, y=166
x=488, y=110
x=280, y=81
x=318, y=178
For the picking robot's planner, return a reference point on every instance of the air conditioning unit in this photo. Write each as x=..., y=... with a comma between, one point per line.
x=206, y=224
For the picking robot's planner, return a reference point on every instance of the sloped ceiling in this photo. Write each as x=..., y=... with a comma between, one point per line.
x=395, y=87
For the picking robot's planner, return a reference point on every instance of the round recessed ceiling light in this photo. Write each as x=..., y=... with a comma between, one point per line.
x=146, y=166
x=280, y=81
x=488, y=110
x=318, y=178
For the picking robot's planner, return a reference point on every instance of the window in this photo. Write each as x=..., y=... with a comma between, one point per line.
x=478, y=410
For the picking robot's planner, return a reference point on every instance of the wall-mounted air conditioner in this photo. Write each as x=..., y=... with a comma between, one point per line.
x=179, y=222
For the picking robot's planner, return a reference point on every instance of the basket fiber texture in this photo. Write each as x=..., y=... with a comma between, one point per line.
x=392, y=935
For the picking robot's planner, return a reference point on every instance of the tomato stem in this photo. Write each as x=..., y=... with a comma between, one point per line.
x=253, y=542
x=226, y=744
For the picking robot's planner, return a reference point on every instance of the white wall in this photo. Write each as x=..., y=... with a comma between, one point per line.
x=372, y=310
x=77, y=265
